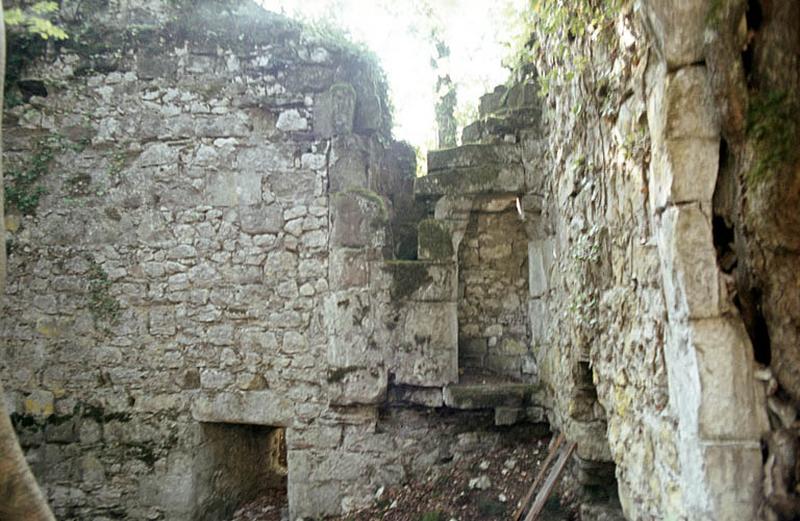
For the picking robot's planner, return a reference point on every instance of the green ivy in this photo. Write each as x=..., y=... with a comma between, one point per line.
x=563, y=33
x=103, y=306
x=35, y=20
x=22, y=188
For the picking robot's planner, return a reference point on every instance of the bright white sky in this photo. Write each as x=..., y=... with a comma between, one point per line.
x=397, y=31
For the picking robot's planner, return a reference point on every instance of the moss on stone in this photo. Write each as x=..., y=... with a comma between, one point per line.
x=435, y=239
x=772, y=129
x=104, y=307
x=407, y=277
x=470, y=180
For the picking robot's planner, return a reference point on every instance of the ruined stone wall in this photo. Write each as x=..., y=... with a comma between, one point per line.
x=186, y=270
x=646, y=359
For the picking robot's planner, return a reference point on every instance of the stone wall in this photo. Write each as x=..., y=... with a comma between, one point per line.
x=212, y=260
x=493, y=288
x=642, y=349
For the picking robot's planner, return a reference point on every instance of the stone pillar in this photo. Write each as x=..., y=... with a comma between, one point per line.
x=708, y=354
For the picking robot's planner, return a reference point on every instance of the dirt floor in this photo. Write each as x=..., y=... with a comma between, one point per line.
x=479, y=487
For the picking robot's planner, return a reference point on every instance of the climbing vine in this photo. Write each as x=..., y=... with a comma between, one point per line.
x=103, y=306
x=562, y=33
x=22, y=189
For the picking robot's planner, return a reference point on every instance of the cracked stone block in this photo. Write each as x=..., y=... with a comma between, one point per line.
x=265, y=407
x=427, y=350
x=356, y=216
x=357, y=385
x=472, y=156
x=334, y=111
x=679, y=27
x=727, y=385
x=689, y=263
x=348, y=164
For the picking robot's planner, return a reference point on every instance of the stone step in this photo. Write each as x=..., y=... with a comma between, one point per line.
x=495, y=179
x=472, y=155
x=500, y=127
x=473, y=396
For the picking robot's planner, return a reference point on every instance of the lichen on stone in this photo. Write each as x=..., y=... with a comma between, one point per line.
x=407, y=277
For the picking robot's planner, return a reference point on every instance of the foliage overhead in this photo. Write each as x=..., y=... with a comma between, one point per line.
x=36, y=20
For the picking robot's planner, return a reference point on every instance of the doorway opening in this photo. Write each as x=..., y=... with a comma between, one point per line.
x=236, y=465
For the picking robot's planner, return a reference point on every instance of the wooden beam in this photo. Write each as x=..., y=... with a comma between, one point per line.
x=550, y=482
x=542, y=472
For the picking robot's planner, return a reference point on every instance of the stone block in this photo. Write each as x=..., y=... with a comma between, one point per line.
x=435, y=241
x=503, y=364
x=734, y=479
x=679, y=27
x=425, y=396
x=730, y=406
x=357, y=385
x=248, y=187
x=307, y=498
x=522, y=95
x=221, y=190
x=537, y=271
x=39, y=403
x=420, y=281
x=348, y=164
x=261, y=219
x=356, y=216
x=688, y=262
x=684, y=170
x=472, y=133
x=688, y=109
x=334, y=111
x=538, y=316
x=483, y=180
x=291, y=121
x=489, y=395
x=265, y=407
x=348, y=269
x=347, y=318
x=508, y=415
x=491, y=102
x=427, y=350
x=466, y=156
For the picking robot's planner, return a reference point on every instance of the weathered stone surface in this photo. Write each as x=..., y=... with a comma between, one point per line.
x=427, y=353
x=691, y=276
x=489, y=395
x=348, y=164
x=417, y=281
x=471, y=156
x=490, y=179
x=435, y=240
x=262, y=219
x=357, y=385
x=356, y=216
x=726, y=382
x=678, y=28
x=253, y=407
x=334, y=111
